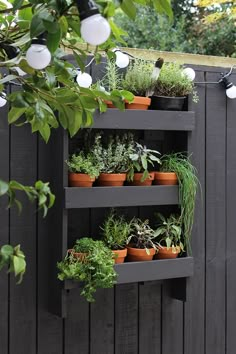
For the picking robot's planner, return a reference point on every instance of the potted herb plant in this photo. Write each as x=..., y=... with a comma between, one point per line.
x=115, y=232
x=94, y=268
x=168, y=236
x=140, y=160
x=141, y=244
x=187, y=178
x=138, y=80
x=113, y=157
x=171, y=89
x=82, y=171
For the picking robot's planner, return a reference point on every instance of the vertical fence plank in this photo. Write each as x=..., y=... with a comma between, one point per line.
x=4, y=228
x=231, y=226
x=215, y=216
x=195, y=305
x=23, y=231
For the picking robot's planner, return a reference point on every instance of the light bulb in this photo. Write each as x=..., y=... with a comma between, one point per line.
x=95, y=29
x=231, y=92
x=122, y=59
x=190, y=73
x=84, y=80
x=38, y=56
x=3, y=100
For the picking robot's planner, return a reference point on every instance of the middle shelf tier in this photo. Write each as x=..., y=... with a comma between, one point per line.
x=97, y=197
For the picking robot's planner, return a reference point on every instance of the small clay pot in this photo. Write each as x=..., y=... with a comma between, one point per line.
x=80, y=180
x=119, y=255
x=80, y=255
x=165, y=178
x=137, y=180
x=139, y=254
x=111, y=179
x=141, y=103
x=165, y=253
x=110, y=104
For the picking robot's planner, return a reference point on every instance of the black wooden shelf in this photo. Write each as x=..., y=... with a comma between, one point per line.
x=97, y=197
x=145, y=120
x=134, y=272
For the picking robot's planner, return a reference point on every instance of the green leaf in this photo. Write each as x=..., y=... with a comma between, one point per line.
x=17, y=4
x=144, y=162
x=129, y=8
x=25, y=67
x=45, y=132
x=63, y=25
x=8, y=78
x=53, y=40
x=3, y=187
x=37, y=26
x=19, y=265
x=7, y=250
x=15, y=113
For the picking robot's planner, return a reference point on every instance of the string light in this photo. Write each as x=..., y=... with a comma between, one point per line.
x=190, y=73
x=3, y=100
x=38, y=55
x=83, y=79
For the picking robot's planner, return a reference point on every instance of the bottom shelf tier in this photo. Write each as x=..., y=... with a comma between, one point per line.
x=148, y=271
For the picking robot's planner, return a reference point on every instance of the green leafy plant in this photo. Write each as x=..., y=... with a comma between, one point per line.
x=14, y=259
x=81, y=163
x=112, y=155
x=142, y=236
x=115, y=231
x=172, y=82
x=138, y=78
x=188, y=183
x=168, y=232
x=95, y=270
x=140, y=160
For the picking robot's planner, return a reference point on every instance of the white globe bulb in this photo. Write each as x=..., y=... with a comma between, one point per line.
x=231, y=92
x=3, y=100
x=38, y=56
x=190, y=73
x=122, y=60
x=84, y=80
x=95, y=29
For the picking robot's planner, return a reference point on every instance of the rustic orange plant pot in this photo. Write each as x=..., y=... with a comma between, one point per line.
x=139, y=102
x=165, y=253
x=80, y=180
x=139, y=254
x=110, y=104
x=111, y=179
x=80, y=255
x=165, y=178
x=137, y=180
x=119, y=255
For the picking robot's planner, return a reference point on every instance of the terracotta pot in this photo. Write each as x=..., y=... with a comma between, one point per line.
x=165, y=178
x=111, y=179
x=139, y=255
x=137, y=180
x=80, y=255
x=139, y=102
x=109, y=104
x=119, y=255
x=164, y=253
x=80, y=180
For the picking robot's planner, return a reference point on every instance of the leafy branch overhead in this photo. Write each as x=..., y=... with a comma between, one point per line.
x=55, y=89
x=14, y=259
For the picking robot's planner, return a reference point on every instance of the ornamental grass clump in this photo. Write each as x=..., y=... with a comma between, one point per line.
x=95, y=269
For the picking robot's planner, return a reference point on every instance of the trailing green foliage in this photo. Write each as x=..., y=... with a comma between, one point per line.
x=188, y=183
x=142, y=236
x=40, y=192
x=115, y=231
x=14, y=259
x=168, y=232
x=95, y=270
x=81, y=163
x=173, y=82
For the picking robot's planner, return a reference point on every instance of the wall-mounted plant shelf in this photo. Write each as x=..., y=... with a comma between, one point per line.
x=145, y=120
x=96, y=197
x=134, y=272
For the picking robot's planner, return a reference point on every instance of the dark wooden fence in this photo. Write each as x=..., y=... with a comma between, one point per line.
x=137, y=318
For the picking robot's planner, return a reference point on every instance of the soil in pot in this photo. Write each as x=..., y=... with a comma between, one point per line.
x=139, y=102
x=165, y=253
x=80, y=180
x=137, y=180
x=139, y=254
x=165, y=103
x=111, y=179
x=165, y=178
x=119, y=255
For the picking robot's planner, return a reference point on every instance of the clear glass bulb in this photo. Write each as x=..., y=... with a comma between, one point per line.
x=95, y=29
x=122, y=60
x=38, y=56
x=3, y=100
x=190, y=73
x=231, y=92
x=84, y=80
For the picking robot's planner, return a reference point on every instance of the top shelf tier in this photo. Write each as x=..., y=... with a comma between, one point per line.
x=145, y=120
